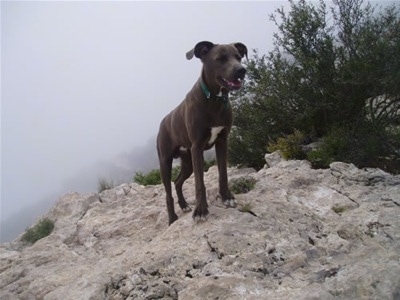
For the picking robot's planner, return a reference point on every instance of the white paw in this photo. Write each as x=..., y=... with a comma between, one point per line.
x=230, y=202
x=187, y=209
x=198, y=219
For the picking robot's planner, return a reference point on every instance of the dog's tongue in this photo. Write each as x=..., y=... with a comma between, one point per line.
x=234, y=84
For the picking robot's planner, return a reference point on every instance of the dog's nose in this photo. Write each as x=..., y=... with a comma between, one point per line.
x=241, y=72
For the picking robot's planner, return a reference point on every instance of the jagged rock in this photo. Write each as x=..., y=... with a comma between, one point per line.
x=272, y=159
x=299, y=234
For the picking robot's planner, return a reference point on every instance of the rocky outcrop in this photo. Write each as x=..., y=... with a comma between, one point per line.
x=299, y=234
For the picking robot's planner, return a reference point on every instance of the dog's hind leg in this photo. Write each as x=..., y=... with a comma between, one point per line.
x=186, y=171
x=165, y=169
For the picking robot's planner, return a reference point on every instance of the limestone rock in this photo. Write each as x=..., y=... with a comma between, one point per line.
x=299, y=234
x=272, y=159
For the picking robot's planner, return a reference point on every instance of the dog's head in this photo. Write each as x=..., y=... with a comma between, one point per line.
x=222, y=68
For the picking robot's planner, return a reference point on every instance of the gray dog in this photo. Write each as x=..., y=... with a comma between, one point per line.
x=202, y=120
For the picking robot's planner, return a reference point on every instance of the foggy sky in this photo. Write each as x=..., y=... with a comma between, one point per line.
x=86, y=82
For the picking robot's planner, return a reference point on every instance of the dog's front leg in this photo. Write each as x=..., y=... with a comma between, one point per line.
x=201, y=211
x=221, y=151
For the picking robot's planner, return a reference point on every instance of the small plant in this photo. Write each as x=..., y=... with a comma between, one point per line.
x=338, y=209
x=289, y=146
x=319, y=159
x=175, y=172
x=154, y=176
x=242, y=185
x=373, y=228
x=151, y=178
x=103, y=185
x=42, y=229
x=246, y=207
x=208, y=164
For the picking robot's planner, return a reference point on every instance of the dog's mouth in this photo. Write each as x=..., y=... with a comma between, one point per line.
x=231, y=85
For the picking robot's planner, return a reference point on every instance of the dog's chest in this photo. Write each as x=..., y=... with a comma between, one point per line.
x=214, y=133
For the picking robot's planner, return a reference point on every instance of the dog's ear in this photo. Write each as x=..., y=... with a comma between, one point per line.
x=200, y=50
x=242, y=49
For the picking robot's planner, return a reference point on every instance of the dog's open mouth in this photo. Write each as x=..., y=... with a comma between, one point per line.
x=231, y=84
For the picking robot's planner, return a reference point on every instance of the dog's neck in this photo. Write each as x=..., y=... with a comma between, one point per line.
x=221, y=96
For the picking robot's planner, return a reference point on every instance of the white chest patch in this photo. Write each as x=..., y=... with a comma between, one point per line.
x=214, y=133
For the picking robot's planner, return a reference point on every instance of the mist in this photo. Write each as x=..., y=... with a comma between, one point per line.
x=118, y=170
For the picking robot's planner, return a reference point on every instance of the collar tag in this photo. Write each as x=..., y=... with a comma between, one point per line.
x=224, y=98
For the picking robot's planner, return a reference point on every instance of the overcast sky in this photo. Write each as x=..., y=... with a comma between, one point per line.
x=83, y=82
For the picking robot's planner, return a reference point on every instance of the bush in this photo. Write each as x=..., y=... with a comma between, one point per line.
x=364, y=146
x=154, y=176
x=289, y=145
x=151, y=178
x=319, y=159
x=242, y=185
x=333, y=144
x=42, y=229
x=103, y=185
x=332, y=69
x=246, y=150
x=208, y=164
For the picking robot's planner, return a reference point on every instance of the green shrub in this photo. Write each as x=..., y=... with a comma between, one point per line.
x=242, y=185
x=151, y=178
x=289, y=145
x=208, y=164
x=339, y=209
x=103, y=185
x=154, y=176
x=363, y=146
x=42, y=229
x=246, y=150
x=332, y=64
x=331, y=148
x=319, y=159
x=175, y=172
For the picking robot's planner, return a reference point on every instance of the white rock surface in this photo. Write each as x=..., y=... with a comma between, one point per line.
x=299, y=234
x=272, y=159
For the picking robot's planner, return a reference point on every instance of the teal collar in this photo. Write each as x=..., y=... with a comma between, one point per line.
x=205, y=90
x=224, y=98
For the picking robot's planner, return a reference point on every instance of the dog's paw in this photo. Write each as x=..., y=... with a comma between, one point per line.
x=230, y=202
x=172, y=219
x=200, y=215
x=187, y=209
x=202, y=218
